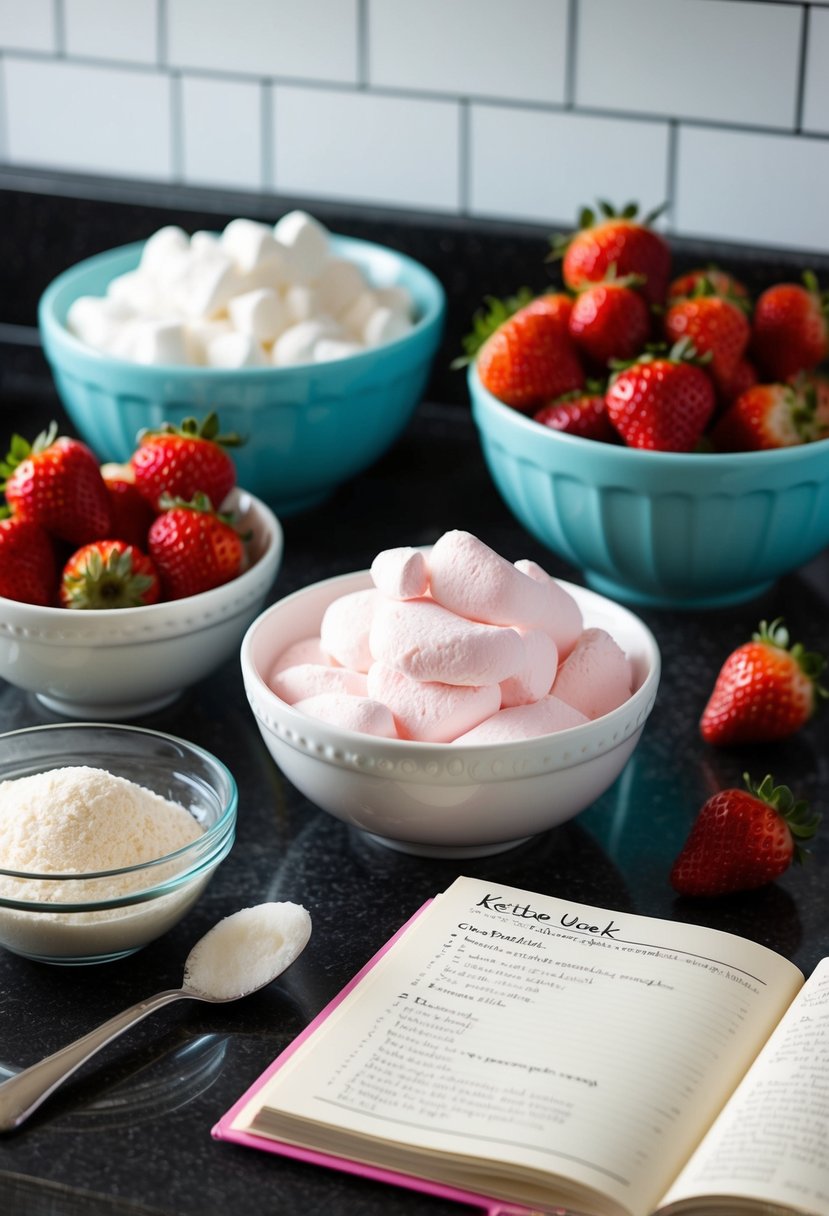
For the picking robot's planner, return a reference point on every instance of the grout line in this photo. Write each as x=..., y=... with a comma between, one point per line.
x=464, y=156
x=267, y=102
x=800, y=99
x=671, y=171
x=363, y=58
x=176, y=127
x=570, y=60
x=162, y=49
x=60, y=28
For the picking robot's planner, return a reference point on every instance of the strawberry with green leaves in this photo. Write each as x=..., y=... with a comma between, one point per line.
x=56, y=482
x=721, y=282
x=766, y=690
x=582, y=413
x=790, y=328
x=743, y=839
x=28, y=572
x=108, y=574
x=193, y=547
x=661, y=402
x=716, y=325
x=611, y=319
x=185, y=460
x=615, y=238
x=767, y=416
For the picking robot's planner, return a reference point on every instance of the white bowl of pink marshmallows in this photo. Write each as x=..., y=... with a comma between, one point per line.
x=448, y=701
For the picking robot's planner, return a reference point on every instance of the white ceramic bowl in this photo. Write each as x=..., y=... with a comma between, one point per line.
x=121, y=662
x=437, y=799
x=94, y=918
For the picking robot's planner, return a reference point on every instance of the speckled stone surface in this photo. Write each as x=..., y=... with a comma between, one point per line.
x=130, y=1135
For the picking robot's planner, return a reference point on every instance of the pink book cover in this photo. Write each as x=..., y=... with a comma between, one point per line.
x=224, y=1130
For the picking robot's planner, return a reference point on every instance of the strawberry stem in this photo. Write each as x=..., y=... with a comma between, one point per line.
x=802, y=822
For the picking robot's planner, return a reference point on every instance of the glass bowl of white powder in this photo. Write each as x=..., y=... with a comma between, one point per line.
x=108, y=836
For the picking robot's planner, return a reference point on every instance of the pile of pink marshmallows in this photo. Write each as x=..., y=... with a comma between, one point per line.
x=454, y=645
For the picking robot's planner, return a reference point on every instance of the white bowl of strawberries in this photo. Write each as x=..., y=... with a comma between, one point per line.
x=120, y=586
x=666, y=435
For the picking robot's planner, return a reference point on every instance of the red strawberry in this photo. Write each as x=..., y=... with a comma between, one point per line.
x=109, y=574
x=721, y=282
x=56, y=483
x=619, y=240
x=764, y=691
x=767, y=416
x=742, y=839
x=743, y=378
x=579, y=413
x=610, y=320
x=817, y=387
x=790, y=332
x=185, y=460
x=715, y=325
x=27, y=562
x=661, y=402
x=194, y=548
x=131, y=513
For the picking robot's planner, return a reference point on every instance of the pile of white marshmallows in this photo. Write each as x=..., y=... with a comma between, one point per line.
x=454, y=645
x=254, y=295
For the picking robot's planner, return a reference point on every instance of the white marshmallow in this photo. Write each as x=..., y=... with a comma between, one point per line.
x=296, y=343
x=339, y=285
x=400, y=574
x=200, y=334
x=385, y=325
x=302, y=303
x=157, y=343
x=355, y=317
x=205, y=285
x=165, y=245
x=305, y=242
x=234, y=350
x=397, y=298
x=469, y=578
x=259, y=313
x=543, y=717
x=565, y=622
x=334, y=348
x=205, y=244
x=595, y=677
x=136, y=292
x=350, y=713
x=252, y=245
x=426, y=642
x=535, y=679
x=97, y=319
x=345, y=628
x=311, y=679
x=428, y=710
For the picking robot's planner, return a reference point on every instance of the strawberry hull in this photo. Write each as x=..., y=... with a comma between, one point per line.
x=675, y=530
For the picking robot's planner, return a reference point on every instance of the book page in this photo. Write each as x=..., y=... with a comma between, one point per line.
x=538, y=1038
x=770, y=1142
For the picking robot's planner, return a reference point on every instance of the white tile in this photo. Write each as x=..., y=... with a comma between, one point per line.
x=313, y=39
x=770, y=189
x=88, y=119
x=729, y=61
x=356, y=146
x=816, y=90
x=543, y=168
x=28, y=25
x=458, y=48
x=222, y=132
x=91, y=30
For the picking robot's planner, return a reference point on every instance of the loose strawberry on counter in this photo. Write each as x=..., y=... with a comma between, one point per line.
x=27, y=562
x=184, y=460
x=661, y=402
x=615, y=239
x=56, y=482
x=765, y=690
x=109, y=574
x=193, y=547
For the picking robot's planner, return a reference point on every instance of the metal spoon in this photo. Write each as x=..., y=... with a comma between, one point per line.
x=263, y=941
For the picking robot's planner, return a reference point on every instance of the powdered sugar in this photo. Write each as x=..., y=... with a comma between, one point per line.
x=246, y=950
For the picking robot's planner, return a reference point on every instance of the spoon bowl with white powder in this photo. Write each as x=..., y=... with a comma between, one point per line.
x=108, y=836
x=238, y=956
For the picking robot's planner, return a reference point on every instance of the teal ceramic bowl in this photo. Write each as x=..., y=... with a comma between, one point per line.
x=664, y=529
x=307, y=429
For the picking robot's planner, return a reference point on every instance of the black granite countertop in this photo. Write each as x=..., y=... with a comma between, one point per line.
x=130, y=1134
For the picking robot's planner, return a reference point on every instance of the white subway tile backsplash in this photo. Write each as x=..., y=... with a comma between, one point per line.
x=369, y=148
x=816, y=89
x=222, y=132
x=484, y=48
x=28, y=25
x=88, y=118
x=544, y=167
x=728, y=61
x=314, y=39
x=753, y=188
x=91, y=31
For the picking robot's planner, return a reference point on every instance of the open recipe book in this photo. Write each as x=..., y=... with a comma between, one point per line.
x=514, y=1051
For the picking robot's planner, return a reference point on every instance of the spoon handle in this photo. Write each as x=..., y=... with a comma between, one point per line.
x=23, y=1093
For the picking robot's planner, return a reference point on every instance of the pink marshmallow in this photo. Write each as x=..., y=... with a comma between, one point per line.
x=306, y=650
x=310, y=679
x=430, y=711
x=564, y=623
x=401, y=574
x=345, y=628
x=351, y=713
x=426, y=642
x=469, y=578
x=543, y=717
x=595, y=677
x=536, y=677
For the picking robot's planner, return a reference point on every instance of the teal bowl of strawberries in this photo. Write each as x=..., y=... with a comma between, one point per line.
x=679, y=457
x=122, y=585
